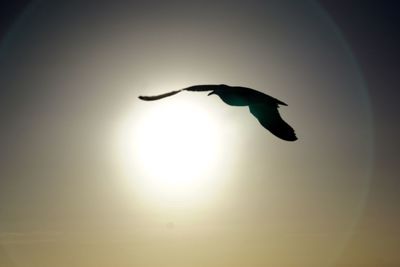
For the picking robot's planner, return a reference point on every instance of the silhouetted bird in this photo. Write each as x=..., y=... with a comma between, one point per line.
x=262, y=106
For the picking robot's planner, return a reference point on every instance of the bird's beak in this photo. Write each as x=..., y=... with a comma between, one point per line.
x=211, y=93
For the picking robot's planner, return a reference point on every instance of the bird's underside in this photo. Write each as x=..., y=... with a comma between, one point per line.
x=262, y=106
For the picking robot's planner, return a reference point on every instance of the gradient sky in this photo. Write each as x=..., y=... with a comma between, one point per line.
x=70, y=73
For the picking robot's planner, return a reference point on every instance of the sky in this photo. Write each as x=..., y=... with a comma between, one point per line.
x=371, y=29
x=84, y=180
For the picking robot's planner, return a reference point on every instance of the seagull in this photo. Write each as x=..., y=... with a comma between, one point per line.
x=262, y=106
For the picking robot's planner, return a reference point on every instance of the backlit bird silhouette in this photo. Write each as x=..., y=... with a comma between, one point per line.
x=262, y=106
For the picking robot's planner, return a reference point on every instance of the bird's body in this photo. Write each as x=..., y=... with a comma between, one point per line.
x=243, y=96
x=262, y=106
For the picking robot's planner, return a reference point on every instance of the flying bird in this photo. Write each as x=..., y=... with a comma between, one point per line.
x=262, y=106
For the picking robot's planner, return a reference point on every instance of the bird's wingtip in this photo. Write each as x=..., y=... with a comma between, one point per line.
x=292, y=138
x=147, y=98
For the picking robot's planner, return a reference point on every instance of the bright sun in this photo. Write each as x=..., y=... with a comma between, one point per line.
x=172, y=150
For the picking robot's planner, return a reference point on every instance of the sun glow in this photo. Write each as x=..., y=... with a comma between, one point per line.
x=173, y=150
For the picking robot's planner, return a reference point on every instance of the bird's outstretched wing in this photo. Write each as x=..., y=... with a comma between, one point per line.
x=269, y=117
x=157, y=97
x=196, y=88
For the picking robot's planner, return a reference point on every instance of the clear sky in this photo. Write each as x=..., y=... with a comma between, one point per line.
x=92, y=176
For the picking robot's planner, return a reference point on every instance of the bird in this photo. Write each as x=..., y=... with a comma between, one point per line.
x=262, y=106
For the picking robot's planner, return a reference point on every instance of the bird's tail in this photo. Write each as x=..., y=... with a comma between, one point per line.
x=157, y=97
